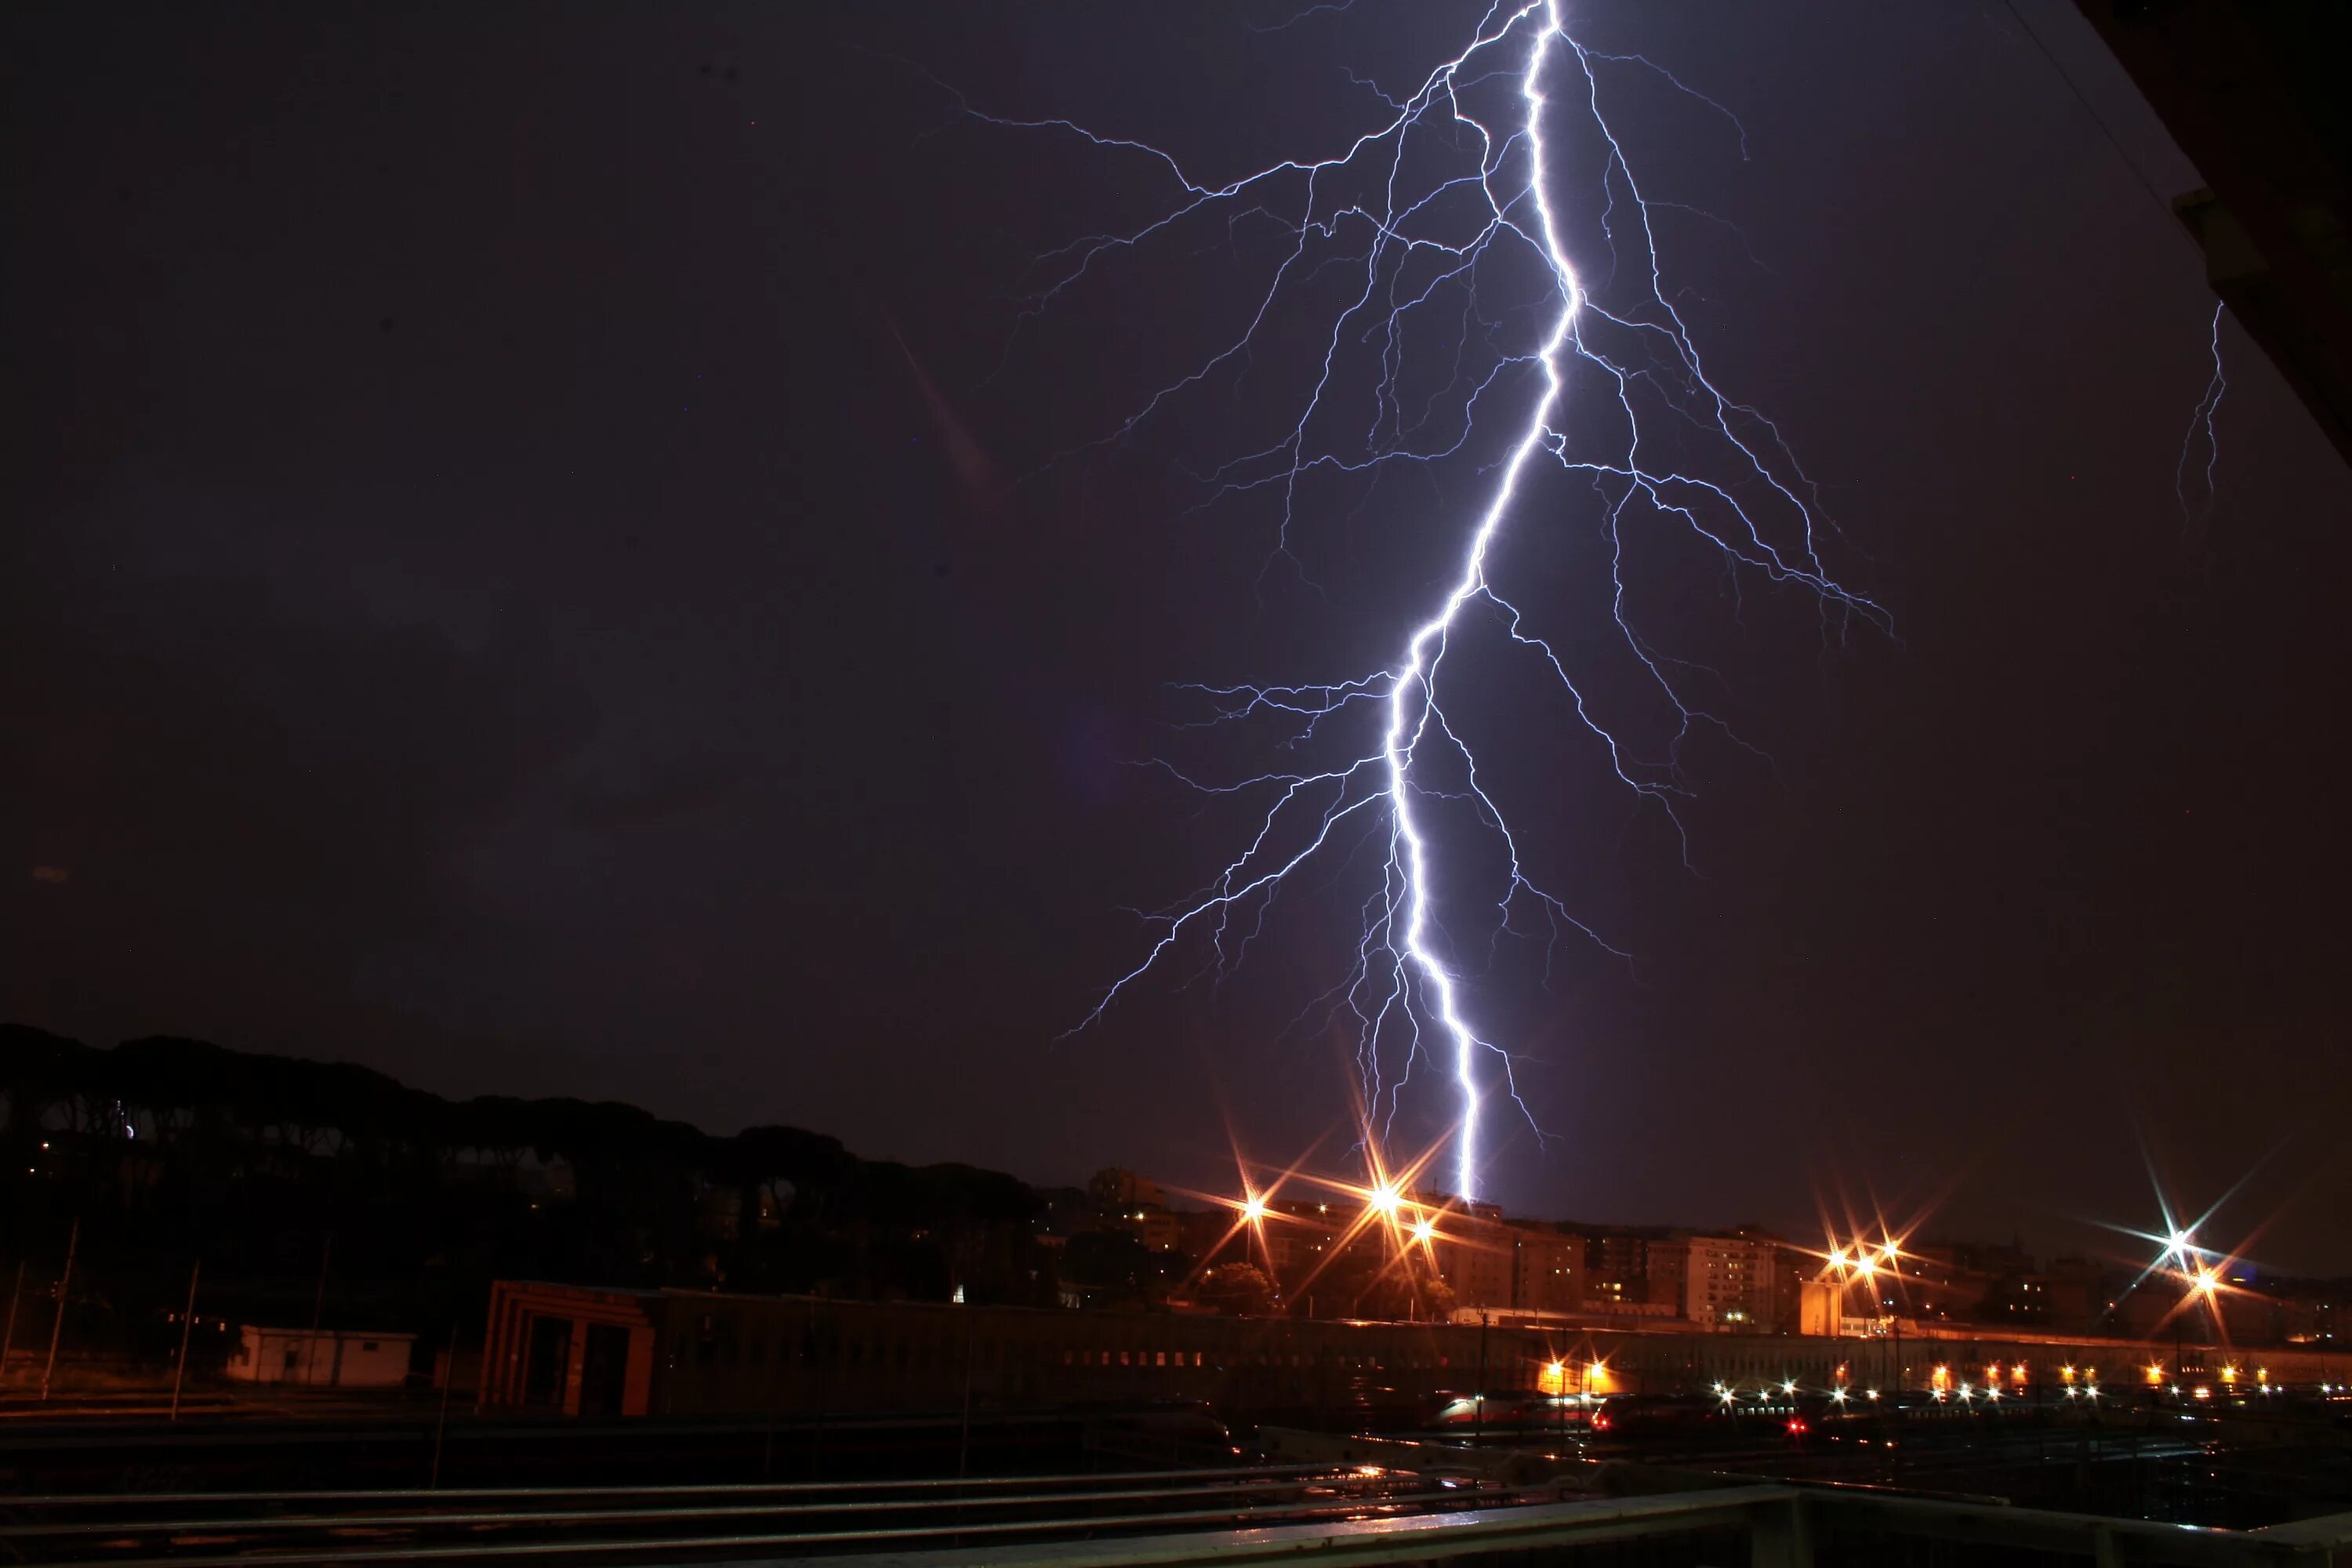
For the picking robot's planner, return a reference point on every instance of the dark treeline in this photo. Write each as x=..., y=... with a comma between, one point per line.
x=170, y=1150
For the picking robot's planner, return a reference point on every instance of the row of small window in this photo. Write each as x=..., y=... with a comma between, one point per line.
x=1259, y=1358
x=719, y=1349
x=294, y=1353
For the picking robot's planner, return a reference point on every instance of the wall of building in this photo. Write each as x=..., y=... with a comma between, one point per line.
x=1546, y=1270
x=806, y=1356
x=328, y=1359
x=571, y=1349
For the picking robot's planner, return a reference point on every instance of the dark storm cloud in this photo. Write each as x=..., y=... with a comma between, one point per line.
x=238, y=799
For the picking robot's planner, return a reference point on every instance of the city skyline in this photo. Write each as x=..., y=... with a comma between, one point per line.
x=144, y=1092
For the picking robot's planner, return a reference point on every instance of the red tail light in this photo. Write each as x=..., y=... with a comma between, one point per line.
x=1796, y=1426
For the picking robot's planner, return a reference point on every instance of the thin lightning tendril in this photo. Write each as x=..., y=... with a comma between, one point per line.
x=1749, y=502
x=2201, y=421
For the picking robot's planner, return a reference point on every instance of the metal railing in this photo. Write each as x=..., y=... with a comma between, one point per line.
x=1361, y=1511
x=673, y=1524
x=1784, y=1527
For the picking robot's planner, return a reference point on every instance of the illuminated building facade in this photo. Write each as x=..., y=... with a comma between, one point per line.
x=1724, y=1282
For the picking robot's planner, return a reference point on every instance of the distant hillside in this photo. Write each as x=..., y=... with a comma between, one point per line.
x=167, y=1149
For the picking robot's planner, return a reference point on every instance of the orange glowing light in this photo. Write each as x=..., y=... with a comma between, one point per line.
x=1423, y=1230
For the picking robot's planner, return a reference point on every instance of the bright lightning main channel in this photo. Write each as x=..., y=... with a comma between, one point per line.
x=1391, y=202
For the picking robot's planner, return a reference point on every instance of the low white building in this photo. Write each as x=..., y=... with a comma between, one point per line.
x=331, y=1358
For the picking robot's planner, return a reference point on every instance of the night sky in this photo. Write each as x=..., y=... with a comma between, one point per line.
x=535, y=570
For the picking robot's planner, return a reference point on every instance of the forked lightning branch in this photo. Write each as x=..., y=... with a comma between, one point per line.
x=1448, y=189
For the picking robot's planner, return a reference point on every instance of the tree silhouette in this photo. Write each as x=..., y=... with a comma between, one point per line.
x=1239, y=1289
x=167, y=1148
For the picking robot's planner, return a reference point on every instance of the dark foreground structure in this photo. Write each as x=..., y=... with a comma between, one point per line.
x=2254, y=94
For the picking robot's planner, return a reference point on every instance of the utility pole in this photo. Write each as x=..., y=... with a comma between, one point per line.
x=1478, y=1395
x=8, y=1339
x=187, y=1321
x=318, y=1307
x=441, y=1423
x=65, y=1293
x=963, y=1437
x=775, y=1376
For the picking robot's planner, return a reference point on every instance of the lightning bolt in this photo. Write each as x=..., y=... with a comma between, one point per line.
x=1432, y=216
x=2201, y=422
